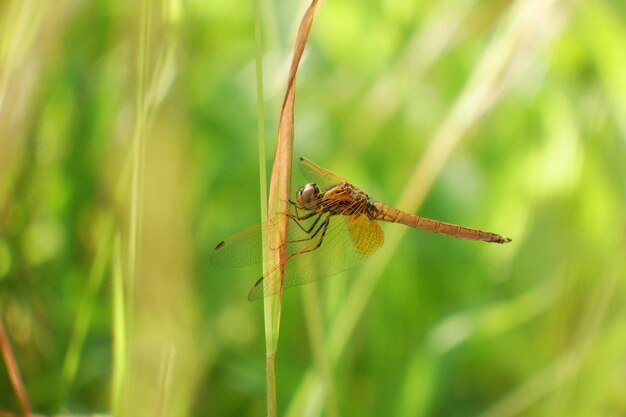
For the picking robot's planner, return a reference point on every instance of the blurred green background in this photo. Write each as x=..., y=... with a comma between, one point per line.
x=128, y=149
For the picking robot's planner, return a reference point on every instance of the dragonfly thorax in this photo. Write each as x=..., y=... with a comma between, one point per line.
x=308, y=196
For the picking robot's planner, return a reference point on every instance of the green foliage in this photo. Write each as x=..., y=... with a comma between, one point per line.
x=505, y=116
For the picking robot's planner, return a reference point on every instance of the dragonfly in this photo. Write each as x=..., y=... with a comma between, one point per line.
x=333, y=226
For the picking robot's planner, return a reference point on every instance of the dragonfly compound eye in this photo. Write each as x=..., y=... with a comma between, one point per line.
x=307, y=195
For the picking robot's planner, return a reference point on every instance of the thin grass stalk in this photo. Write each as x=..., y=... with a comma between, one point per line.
x=138, y=148
x=260, y=100
x=271, y=29
x=14, y=371
x=20, y=15
x=260, y=105
x=123, y=314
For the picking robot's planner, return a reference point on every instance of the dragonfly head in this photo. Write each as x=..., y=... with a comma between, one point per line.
x=308, y=196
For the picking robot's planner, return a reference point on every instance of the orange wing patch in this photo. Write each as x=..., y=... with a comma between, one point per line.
x=367, y=235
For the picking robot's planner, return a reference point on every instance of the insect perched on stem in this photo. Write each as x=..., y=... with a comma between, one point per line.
x=333, y=226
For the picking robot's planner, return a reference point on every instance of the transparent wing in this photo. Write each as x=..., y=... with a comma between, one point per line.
x=243, y=248
x=320, y=176
x=246, y=247
x=347, y=242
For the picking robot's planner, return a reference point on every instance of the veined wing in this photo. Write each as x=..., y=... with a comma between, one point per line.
x=246, y=247
x=348, y=241
x=241, y=249
x=320, y=176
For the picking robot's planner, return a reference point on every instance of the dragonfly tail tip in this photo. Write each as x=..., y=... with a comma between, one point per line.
x=500, y=239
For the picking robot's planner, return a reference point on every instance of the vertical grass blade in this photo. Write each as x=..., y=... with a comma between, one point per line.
x=280, y=186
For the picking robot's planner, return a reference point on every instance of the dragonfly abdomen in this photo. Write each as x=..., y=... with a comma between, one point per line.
x=394, y=215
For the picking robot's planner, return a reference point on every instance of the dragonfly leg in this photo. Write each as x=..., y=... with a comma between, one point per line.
x=305, y=216
x=306, y=239
x=295, y=206
x=323, y=227
x=307, y=231
x=297, y=218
